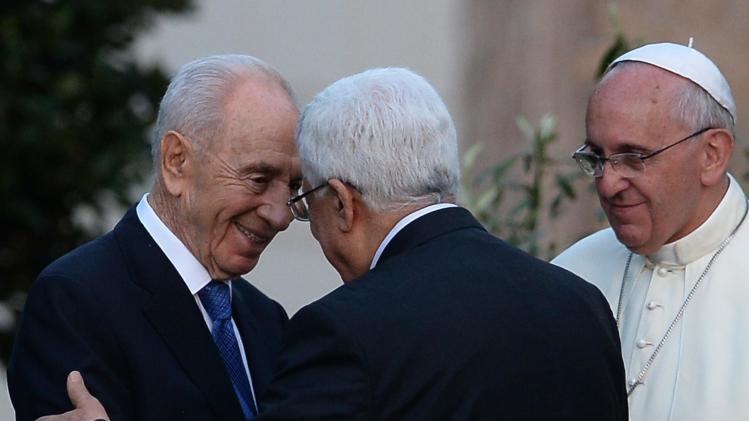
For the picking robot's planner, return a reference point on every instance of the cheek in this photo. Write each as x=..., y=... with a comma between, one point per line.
x=651, y=209
x=658, y=216
x=231, y=202
x=197, y=220
x=217, y=219
x=313, y=227
x=673, y=206
x=323, y=237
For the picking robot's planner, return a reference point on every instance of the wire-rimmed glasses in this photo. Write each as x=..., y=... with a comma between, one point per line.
x=628, y=164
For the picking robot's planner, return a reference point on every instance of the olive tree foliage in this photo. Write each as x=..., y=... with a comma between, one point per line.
x=75, y=117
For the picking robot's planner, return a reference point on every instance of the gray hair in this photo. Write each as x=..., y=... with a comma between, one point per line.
x=194, y=102
x=698, y=109
x=387, y=133
x=694, y=106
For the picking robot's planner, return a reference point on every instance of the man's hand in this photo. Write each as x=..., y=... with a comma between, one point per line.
x=87, y=407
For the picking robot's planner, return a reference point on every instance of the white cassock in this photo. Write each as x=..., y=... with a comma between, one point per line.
x=702, y=370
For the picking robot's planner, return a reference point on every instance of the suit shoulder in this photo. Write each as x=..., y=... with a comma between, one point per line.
x=90, y=273
x=344, y=295
x=87, y=258
x=358, y=301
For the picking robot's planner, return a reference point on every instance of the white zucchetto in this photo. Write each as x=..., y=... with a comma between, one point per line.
x=688, y=63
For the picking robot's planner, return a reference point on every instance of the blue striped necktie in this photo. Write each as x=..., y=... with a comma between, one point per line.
x=216, y=300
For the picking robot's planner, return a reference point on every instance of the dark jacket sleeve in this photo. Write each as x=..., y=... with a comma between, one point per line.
x=60, y=331
x=320, y=373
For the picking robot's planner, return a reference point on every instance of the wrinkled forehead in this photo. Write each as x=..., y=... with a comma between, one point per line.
x=636, y=91
x=635, y=107
x=634, y=80
x=260, y=112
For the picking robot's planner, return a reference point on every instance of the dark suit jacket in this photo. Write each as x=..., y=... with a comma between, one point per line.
x=117, y=310
x=453, y=324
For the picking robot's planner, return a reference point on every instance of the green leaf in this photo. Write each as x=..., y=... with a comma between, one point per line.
x=525, y=127
x=547, y=127
x=469, y=157
x=564, y=184
x=619, y=46
x=485, y=200
x=555, y=205
x=500, y=170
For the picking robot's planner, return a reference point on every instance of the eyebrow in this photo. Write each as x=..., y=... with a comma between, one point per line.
x=265, y=168
x=623, y=148
x=259, y=167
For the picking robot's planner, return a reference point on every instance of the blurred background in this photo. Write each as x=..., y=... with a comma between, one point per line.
x=81, y=81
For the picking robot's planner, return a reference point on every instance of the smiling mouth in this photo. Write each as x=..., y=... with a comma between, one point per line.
x=251, y=235
x=622, y=211
x=617, y=204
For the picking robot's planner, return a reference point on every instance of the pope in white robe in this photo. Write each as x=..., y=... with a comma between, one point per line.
x=674, y=265
x=702, y=370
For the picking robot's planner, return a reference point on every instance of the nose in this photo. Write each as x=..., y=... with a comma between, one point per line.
x=610, y=183
x=274, y=210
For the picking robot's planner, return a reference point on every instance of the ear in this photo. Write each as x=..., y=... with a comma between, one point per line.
x=346, y=203
x=176, y=162
x=716, y=154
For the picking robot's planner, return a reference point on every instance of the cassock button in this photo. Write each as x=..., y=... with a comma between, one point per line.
x=631, y=382
x=653, y=305
x=642, y=343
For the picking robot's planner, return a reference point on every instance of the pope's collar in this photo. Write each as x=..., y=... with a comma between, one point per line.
x=708, y=236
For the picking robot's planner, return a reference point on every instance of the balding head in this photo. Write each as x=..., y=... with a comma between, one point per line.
x=195, y=99
x=642, y=109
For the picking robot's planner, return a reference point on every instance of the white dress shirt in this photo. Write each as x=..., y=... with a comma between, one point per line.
x=702, y=370
x=194, y=274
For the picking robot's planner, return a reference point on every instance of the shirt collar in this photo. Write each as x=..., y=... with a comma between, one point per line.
x=189, y=268
x=708, y=236
x=402, y=224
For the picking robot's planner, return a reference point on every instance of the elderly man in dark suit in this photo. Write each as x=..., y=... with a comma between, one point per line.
x=437, y=318
x=154, y=313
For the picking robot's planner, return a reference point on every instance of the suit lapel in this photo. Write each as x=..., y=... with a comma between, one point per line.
x=428, y=227
x=247, y=324
x=172, y=311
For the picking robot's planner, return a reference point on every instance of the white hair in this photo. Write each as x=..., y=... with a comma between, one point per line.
x=194, y=102
x=387, y=133
x=698, y=109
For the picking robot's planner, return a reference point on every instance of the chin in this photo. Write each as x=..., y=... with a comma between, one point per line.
x=633, y=241
x=246, y=268
x=238, y=268
x=642, y=248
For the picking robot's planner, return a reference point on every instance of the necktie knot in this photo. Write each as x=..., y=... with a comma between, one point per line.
x=216, y=299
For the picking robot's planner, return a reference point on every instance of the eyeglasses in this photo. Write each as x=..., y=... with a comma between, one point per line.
x=628, y=165
x=298, y=204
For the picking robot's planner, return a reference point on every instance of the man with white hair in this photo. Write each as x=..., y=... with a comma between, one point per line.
x=155, y=313
x=437, y=319
x=660, y=133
